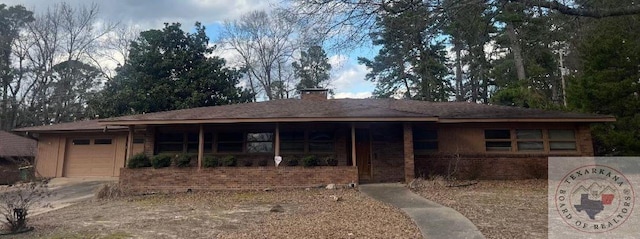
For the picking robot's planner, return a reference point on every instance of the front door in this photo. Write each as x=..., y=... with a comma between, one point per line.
x=363, y=154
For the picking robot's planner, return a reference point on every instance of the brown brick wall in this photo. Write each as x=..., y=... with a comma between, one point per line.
x=482, y=166
x=225, y=178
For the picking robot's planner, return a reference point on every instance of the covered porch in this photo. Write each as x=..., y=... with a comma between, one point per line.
x=374, y=151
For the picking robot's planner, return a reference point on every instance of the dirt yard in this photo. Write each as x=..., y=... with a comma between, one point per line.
x=500, y=209
x=302, y=214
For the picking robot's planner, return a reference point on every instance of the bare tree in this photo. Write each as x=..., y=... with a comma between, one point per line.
x=55, y=73
x=264, y=41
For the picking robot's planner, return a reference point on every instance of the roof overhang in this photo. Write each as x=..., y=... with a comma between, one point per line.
x=267, y=120
x=364, y=119
x=530, y=120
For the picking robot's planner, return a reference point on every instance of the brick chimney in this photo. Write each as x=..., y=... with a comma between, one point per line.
x=314, y=94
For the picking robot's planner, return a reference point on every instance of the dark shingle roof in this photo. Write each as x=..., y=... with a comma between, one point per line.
x=334, y=110
x=17, y=146
x=85, y=125
x=354, y=108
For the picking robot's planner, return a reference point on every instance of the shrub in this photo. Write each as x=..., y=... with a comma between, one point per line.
x=138, y=161
x=182, y=160
x=161, y=161
x=262, y=162
x=247, y=162
x=17, y=201
x=292, y=162
x=229, y=161
x=111, y=191
x=332, y=161
x=210, y=162
x=310, y=161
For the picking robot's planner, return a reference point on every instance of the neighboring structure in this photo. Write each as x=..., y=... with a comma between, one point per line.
x=15, y=151
x=374, y=140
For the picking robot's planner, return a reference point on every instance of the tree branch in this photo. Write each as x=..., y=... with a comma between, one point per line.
x=586, y=12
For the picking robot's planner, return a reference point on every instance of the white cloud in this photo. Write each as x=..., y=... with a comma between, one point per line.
x=338, y=61
x=153, y=13
x=352, y=95
x=349, y=81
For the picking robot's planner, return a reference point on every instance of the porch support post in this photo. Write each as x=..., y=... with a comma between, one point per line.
x=200, y=146
x=353, y=145
x=130, y=142
x=409, y=161
x=276, y=147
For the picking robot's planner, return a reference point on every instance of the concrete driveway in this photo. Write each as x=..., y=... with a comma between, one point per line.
x=67, y=191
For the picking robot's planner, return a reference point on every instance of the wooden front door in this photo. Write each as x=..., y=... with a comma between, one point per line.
x=363, y=153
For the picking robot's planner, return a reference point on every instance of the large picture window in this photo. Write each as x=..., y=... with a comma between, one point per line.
x=259, y=142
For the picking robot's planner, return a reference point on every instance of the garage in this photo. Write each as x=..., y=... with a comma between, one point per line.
x=90, y=157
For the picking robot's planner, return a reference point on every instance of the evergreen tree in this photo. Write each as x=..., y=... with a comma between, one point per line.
x=313, y=69
x=412, y=60
x=169, y=69
x=610, y=83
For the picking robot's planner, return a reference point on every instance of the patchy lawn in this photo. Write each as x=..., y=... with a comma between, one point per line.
x=248, y=214
x=500, y=209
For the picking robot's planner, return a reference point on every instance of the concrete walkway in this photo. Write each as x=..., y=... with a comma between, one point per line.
x=434, y=220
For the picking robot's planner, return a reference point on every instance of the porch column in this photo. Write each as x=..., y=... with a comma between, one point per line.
x=200, y=146
x=130, y=142
x=276, y=146
x=409, y=162
x=353, y=145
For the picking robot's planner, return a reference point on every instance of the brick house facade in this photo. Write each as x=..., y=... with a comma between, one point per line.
x=373, y=140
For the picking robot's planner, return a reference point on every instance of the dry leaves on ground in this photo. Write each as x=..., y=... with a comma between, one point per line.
x=500, y=209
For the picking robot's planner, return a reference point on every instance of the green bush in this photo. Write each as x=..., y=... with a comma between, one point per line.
x=161, y=161
x=210, y=162
x=310, y=161
x=247, y=162
x=332, y=161
x=263, y=162
x=182, y=160
x=292, y=162
x=229, y=161
x=139, y=161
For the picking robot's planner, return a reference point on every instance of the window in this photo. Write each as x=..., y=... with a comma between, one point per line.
x=292, y=141
x=562, y=140
x=138, y=140
x=170, y=142
x=321, y=141
x=102, y=141
x=81, y=142
x=497, y=139
x=529, y=140
x=230, y=142
x=259, y=142
x=425, y=140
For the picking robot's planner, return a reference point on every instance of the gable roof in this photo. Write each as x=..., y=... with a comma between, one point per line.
x=17, y=146
x=294, y=110
x=334, y=110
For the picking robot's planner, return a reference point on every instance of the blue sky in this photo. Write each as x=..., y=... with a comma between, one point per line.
x=347, y=76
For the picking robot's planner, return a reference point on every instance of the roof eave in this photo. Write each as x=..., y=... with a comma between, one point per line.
x=268, y=120
x=530, y=120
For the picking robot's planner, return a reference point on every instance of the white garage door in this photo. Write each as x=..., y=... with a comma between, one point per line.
x=90, y=157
